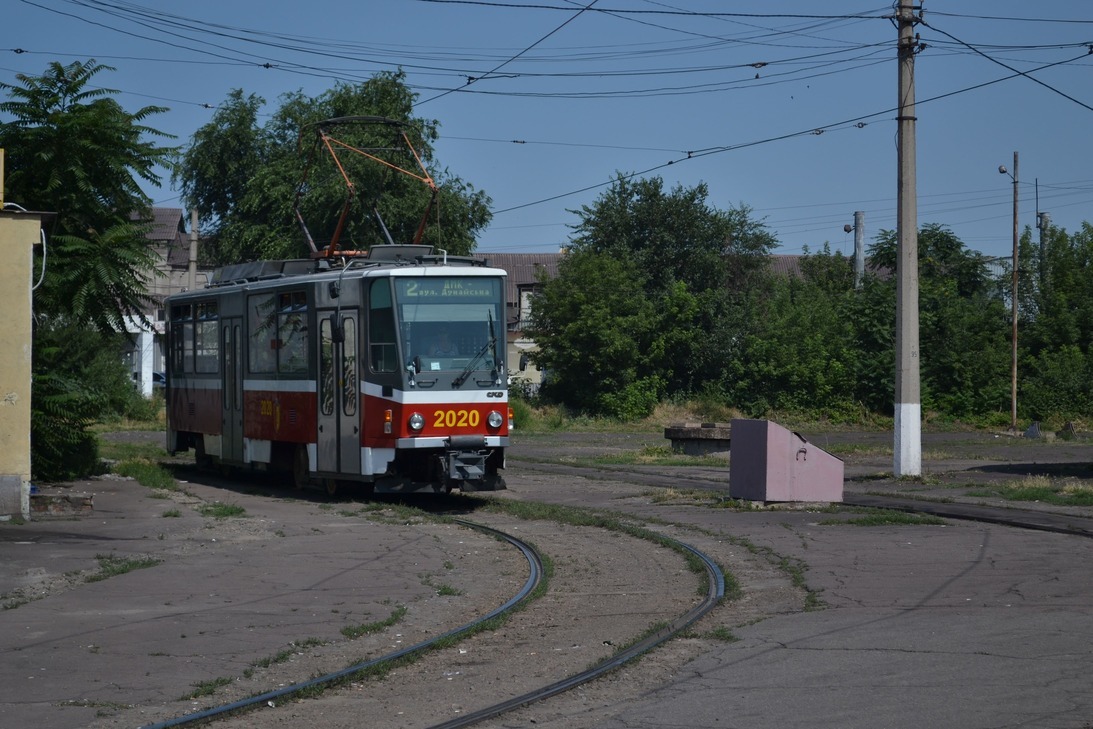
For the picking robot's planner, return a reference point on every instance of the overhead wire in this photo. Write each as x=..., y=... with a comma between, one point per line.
x=501, y=65
x=1011, y=68
x=842, y=65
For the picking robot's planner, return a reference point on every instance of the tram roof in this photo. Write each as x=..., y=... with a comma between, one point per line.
x=399, y=260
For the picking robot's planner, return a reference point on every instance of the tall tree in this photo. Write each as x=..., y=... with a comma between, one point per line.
x=668, y=276
x=74, y=151
x=799, y=354
x=1055, y=376
x=250, y=216
x=964, y=332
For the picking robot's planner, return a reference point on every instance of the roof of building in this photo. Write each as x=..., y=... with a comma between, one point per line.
x=168, y=231
x=523, y=269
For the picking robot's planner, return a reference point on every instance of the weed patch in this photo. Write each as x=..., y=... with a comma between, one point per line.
x=218, y=510
x=206, y=688
x=147, y=474
x=111, y=565
x=356, y=631
x=1064, y=492
x=887, y=517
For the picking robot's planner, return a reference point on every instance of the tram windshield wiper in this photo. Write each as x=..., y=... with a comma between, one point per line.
x=490, y=345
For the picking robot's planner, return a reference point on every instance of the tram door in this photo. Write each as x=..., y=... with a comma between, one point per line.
x=339, y=442
x=231, y=393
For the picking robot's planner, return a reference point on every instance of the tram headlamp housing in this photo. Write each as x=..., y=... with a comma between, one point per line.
x=494, y=419
x=417, y=422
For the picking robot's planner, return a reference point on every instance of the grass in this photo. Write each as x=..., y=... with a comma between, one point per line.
x=111, y=565
x=721, y=633
x=219, y=510
x=887, y=517
x=116, y=450
x=147, y=474
x=858, y=450
x=690, y=496
x=657, y=456
x=356, y=631
x=1061, y=492
x=206, y=688
x=282, y=656
x=150, y=424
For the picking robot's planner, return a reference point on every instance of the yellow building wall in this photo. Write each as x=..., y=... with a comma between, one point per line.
x=19, y=232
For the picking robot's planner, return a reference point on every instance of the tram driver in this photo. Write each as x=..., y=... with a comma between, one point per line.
x=443, y=346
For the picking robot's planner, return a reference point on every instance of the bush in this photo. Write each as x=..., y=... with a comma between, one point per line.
x=79, y=379
x=1058, y=385
x=637, y=400
x=61, y=446
x=521, y=412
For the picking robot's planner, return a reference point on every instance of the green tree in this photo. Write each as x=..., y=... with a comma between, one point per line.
x=651, y=299
x=963, y=333
x=1055, y=376
x=74, y=151
x=250, y=216
x=799, y=355
x=595, y=331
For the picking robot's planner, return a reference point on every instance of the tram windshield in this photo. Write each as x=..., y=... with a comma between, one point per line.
x=452, y=324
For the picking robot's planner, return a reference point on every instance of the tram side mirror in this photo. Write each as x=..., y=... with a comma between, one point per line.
x=335, y=289
x=337, y=334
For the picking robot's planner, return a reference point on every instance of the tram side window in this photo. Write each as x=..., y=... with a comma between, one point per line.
x=349, y=368
x=182, y=338
x=278, y=333
x=261, y=344
x=382, y=347
x=206, y=338
x=292, y=333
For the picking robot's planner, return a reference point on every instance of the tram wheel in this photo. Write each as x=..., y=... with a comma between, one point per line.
x=201, y=459
x=300, y=477
x=331, y=486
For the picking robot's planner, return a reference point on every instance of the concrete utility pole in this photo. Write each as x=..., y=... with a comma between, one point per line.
x=859, y=248
x=1043, y=223
x=1013, y=360
x=907, y=448
x=191, y=283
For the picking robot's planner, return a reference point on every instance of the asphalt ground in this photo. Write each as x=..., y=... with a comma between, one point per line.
x=968, y=624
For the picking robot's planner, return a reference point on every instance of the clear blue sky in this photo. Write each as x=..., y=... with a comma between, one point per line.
x=774, y=107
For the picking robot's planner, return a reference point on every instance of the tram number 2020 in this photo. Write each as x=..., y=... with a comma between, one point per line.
x=456, y=419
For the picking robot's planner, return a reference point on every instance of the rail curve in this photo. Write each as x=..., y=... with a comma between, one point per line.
x=535, y=565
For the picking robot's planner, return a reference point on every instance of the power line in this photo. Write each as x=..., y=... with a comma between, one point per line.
x=498, y=67
x=1011, y=68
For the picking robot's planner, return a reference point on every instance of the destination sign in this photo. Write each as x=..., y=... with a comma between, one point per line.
x=447, y=289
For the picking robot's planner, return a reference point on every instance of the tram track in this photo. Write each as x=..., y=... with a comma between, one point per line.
x=1040, y=520
x=713, y=592
x=535, y=576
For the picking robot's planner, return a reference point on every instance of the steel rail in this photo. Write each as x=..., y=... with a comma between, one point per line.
x=1057, y=522
x=535, y=565
x=715, y=590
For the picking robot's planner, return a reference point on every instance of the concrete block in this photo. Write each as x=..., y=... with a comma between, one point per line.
x=699, y=439
x=771, y=463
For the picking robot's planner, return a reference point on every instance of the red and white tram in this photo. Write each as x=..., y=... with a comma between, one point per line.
x=385, y=370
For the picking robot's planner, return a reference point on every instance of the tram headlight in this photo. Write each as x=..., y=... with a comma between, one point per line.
x=494, y=419
x=417, y=422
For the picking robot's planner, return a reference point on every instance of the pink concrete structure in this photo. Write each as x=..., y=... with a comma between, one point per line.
x=770, y=463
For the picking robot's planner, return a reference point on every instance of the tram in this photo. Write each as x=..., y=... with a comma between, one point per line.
x=385, y=370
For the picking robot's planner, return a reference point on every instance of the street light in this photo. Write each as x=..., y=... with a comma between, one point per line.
x=1013, y=360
